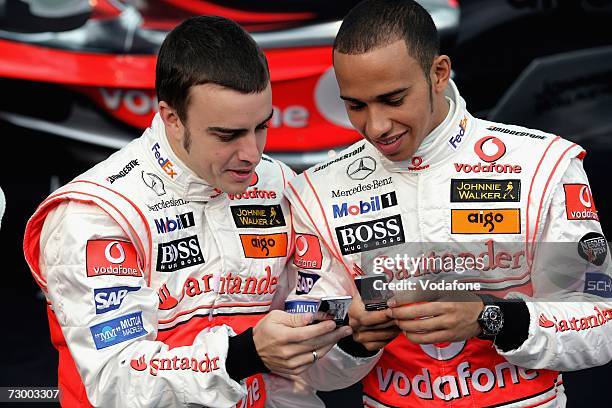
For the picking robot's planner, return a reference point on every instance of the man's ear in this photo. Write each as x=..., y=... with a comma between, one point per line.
x=172, y=123
x=440, y=73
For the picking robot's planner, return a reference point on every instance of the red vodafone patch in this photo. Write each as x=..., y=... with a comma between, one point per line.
x=579, y=204
x=307, y=252
x=112, y=257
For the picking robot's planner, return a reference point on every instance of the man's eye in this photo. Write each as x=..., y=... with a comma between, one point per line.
x=224, y=137
x=395, y=102
x=355, y=107
x=263, y=126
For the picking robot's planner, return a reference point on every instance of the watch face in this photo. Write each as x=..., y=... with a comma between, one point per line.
x=492, y=319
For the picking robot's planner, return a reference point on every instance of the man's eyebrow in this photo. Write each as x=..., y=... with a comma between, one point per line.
x=237, y=130
x=267, y=119
x=379, y=97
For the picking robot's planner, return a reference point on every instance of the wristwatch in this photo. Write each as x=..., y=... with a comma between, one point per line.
x=491, y=319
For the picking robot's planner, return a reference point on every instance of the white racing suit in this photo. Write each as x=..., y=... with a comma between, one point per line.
x=481, y=187
x=148, y=271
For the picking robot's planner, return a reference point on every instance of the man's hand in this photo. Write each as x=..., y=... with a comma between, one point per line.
x=374, y=330
x=447, y=318
x=285, y=342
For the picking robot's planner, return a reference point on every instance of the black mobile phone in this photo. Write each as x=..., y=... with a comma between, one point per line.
x=334, y=307
x=374, y=295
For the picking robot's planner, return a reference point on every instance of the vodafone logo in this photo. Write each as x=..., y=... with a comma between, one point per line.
x=579, y=203
x=108, y=253
x=417, y=164
x=490, y=149
x=112, y=257
x=328, y=102
x=307, y=252
x=585, y=197
x=443, y=351
x=301, y=245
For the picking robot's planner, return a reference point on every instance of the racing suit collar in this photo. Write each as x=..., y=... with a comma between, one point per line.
x=172, y=169
x=442, y=143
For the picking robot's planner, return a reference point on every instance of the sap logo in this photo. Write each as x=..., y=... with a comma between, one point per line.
x=305, y=282
x=375, y=203
x=108, y=299
x=179, y=254
x=166, y=165
x=366, y=236
x=181, y=221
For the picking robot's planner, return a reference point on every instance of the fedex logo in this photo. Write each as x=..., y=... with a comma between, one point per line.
x=166, y=165
x=107, y=299
x=375, y=203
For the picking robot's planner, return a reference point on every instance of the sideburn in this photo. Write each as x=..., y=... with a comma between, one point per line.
x=187, y=136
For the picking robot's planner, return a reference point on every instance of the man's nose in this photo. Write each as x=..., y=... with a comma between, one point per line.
x=378, y=124
x=248, y=150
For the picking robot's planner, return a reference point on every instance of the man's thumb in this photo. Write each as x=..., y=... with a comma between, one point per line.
x=299, y=319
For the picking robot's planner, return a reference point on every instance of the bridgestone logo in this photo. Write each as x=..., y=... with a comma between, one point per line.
x=366, y=236
x=124, y=172
x=343, y=157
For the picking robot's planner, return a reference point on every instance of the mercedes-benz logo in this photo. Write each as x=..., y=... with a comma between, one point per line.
x=361, y=168
x=154, y=183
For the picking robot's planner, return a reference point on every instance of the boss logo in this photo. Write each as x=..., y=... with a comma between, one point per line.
x=179, y=254
x=366, y=236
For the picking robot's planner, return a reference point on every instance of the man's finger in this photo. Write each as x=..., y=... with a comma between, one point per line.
x=440, y=336
x=373, y=318
x=424, y=325
x=377, y=336
x=414, y=311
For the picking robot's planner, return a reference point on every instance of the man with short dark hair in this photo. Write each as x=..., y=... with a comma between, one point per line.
x=431, y=177
x=160, y=263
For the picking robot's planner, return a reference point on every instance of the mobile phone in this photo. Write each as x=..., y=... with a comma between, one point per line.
x=335, y=307
x=373, y=299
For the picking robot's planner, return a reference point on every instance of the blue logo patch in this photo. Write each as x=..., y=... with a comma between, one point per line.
x=301, y=306
x=118, y=330
x=108, y=299
x=305, y=282
x=598, y=284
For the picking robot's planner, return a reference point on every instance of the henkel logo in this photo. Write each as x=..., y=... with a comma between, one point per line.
x=166, y=165
x=179, y=254
x=307, y=252
x=182, y=221
x=305, y=282
x=599, y=318
x=489, y=149
x=204, y=365
x=375, y=203
x=107, y=299
x=111, y=257
x=264, y=245
x=493, y=221
x=369, y=235
x=456, y=140
x=579, y=204
x=361, y=168
x=416, y=164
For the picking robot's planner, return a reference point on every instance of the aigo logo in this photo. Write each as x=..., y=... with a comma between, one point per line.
x=264, y=245
x=484, y=144
x=486, y=221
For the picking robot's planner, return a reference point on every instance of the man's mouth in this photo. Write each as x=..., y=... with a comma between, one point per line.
x=390, y=145
x=241, y=175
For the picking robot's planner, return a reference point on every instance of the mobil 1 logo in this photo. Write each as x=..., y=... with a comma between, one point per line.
x=369, y=235
x=179, y=254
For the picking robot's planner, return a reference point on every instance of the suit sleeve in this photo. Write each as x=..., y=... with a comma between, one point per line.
x=319, y=274
x=571, y=308
x=108, y=316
